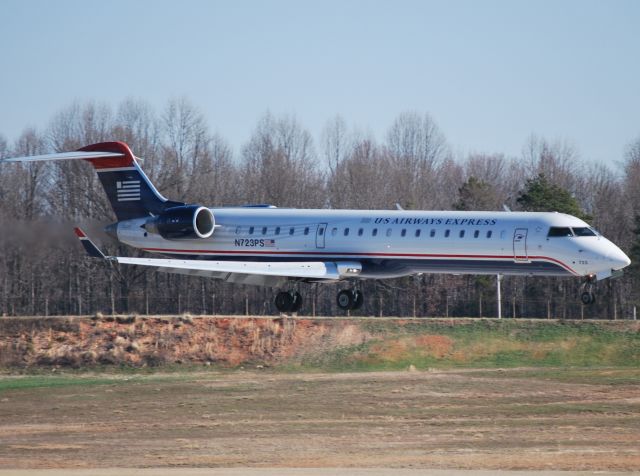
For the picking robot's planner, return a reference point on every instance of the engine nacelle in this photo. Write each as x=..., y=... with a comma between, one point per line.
x=182, y=223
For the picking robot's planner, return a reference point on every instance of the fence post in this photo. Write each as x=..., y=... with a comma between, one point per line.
x=499, y=291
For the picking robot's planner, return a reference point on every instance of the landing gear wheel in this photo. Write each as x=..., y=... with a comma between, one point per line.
x=284, y=301
x=297, y=302
x=345, y=299
x=358, y=299
x=587, y=298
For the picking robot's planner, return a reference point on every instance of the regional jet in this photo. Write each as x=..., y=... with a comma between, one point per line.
x=280, y=247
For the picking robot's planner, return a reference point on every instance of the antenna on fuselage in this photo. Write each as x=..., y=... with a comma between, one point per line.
x=399, y=207
x=506, y=208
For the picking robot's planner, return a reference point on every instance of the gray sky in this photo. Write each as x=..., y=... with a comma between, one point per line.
x=489, y=72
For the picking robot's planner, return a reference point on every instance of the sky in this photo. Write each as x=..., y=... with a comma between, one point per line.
x=489, y=72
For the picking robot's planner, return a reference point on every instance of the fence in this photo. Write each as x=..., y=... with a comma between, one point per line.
x=319, y=303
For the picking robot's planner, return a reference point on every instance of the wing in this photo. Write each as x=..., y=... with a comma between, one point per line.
x=241, y=272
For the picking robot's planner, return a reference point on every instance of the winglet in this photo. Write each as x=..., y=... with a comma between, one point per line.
x=89, y=246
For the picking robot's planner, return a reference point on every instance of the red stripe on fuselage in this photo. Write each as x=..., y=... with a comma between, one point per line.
x=393, y=255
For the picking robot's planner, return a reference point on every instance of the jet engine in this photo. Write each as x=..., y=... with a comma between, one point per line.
x=182, y=223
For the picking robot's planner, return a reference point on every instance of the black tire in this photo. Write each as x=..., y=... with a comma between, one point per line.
x=283, y=301
x=358, y=299
x=587, y=298
x=296, y=304
x=345, y=299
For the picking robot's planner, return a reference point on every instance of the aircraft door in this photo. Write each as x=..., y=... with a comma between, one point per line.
x=320, y=233
x=520, y=245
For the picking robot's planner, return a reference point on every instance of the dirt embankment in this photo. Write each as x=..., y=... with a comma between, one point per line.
x=153, y=341
x=324, y=344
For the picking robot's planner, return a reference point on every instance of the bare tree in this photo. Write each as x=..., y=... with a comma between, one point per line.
x=185, y=145
x=416, y=149
x=336, y=141
x=279, y=165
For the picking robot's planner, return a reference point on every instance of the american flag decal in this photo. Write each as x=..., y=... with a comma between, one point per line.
x=269, y=243
x=128, y=190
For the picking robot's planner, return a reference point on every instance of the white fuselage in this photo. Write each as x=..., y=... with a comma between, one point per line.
x=397, y=243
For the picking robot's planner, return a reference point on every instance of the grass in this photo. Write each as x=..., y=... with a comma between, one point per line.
x=483, y=343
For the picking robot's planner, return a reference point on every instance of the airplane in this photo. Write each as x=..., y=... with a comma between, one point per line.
x=280, y=247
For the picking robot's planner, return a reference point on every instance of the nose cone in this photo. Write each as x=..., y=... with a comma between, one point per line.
x=618, y=259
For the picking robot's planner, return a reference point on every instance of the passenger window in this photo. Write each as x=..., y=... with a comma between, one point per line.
x=476, y=233
x=360, y=232
x=418, y=233
x=334, y=231
x=461, y=233
x=489, y=233
x=251, y=230
x=559, y=232
x=403, y=232
x=346, y=232
x=291, y=230
x=238, y=230
x=264, y=230
x=374, y=232
x=277, y=230
x=321, y=231
x=433, y=233
x=446, y=233
x=389, y=231
x=306, y=230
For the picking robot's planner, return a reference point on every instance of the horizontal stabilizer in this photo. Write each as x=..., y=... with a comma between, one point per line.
x=65, y=156
x=89, y=246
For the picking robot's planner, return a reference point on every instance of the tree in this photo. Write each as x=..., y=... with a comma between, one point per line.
x=416, y=150
x=539, y=195
x=475, y=195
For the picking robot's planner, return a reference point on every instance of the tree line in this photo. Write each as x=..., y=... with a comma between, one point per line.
x=44, y=271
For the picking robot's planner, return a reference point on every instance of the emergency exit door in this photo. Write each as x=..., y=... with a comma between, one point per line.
x=320, y=233
x=520, y=245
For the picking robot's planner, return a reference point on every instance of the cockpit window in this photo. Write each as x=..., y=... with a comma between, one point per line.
x=559, y=231
x=583, y=231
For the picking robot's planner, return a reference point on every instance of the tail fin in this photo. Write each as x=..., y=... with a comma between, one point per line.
x=131, y=193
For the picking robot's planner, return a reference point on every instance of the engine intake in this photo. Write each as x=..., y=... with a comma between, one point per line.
x=182, y=223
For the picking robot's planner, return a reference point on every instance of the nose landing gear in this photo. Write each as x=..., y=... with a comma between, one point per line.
x=587, y=296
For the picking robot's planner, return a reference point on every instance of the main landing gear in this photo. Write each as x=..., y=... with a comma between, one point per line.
x=291, y=301
x=350, y=300
x=288, y=301
x=587, y=296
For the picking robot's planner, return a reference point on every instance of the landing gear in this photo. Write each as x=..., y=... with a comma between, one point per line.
x=290, y=301
x=587, y=296
x=350, y=300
